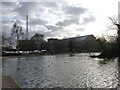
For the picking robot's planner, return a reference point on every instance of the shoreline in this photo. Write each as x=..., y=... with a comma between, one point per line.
x=104, y=56
x=42, y=54
x=39, y=54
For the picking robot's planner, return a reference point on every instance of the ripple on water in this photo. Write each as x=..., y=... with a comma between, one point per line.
x=57, y=71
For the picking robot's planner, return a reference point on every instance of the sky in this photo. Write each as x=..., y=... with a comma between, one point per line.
x=60, y=18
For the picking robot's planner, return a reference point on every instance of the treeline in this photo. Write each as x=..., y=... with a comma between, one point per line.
x=108, y=48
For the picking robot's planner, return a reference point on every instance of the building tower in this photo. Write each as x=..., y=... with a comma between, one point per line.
x=27, y=37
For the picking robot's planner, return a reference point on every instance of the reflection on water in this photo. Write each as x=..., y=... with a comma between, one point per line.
x=105, y=61
x=79, y=71
x=118, y=73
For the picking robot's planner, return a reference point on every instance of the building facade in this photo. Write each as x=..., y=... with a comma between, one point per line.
x=86, y=43
x=35, y=43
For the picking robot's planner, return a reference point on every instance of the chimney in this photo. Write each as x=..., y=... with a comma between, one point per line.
x=27, y=27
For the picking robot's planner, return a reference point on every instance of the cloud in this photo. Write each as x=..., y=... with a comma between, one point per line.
x=53, y=28
x=80, y=29
x=89, y=19
x=34, y=7
x=26, y=7
x=50, y=4
x=7, y=9
x=74, y=16
x=49, y=18
x=75, y=10
x=66, y=22
x=6, y=29
x=9, y=4
x=76, y=20
x=20, y=22
x=35, y=21
x=5, y=22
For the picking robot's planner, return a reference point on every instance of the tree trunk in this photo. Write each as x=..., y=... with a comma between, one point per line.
x=118, y=39
x=119, y=43
x=18, y=48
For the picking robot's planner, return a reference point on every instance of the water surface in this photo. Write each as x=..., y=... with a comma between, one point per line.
x=51, y=71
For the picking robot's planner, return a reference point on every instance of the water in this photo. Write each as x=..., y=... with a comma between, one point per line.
x=52, y=71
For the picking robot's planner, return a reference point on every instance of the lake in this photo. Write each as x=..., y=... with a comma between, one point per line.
x=62, y=71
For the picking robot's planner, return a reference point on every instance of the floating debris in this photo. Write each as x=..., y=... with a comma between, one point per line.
x=17, y=68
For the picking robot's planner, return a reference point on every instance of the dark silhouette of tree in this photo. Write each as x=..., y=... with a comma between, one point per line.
x=116, y=26
x=3, y=39
x=101, y=44
x=17, y=30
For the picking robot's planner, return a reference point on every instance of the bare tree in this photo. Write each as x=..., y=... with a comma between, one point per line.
x=116, y=26
x=17, y=30
x=3, y=38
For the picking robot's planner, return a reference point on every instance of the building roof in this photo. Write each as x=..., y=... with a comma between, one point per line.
x=80, y=38
x=38, y=36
